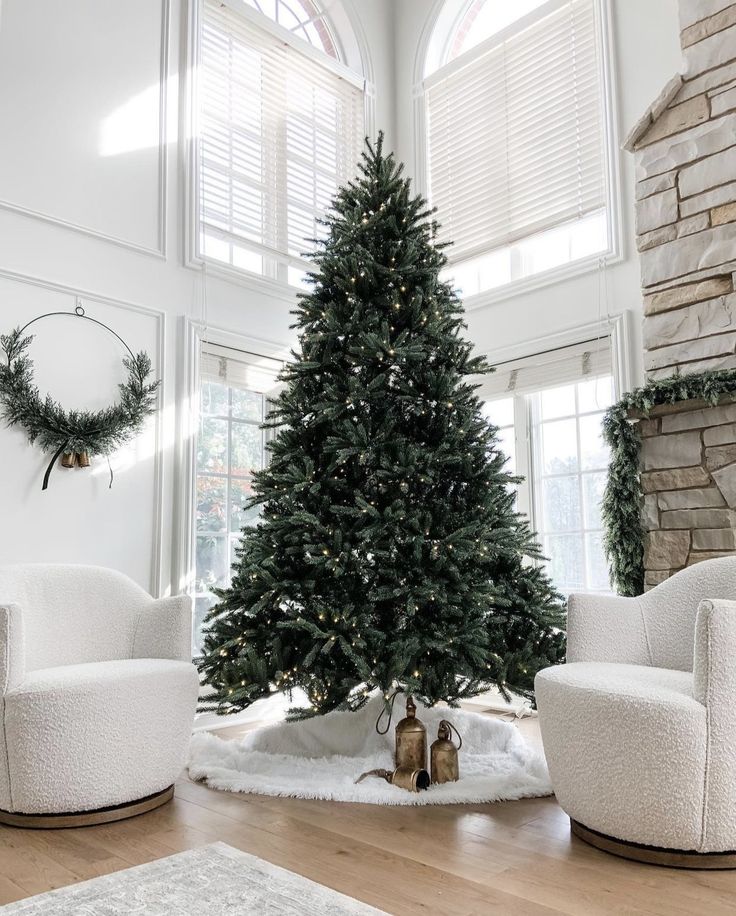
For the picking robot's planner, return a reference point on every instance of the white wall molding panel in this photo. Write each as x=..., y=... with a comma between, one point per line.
x=83, y=99
x=81, y=516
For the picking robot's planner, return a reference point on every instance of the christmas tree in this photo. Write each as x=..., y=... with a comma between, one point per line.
x=389, y=551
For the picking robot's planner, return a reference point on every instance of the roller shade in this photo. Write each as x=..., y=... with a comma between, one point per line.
x=549, y=370
x=238, y=369
x=515, y=132
x=279, y=132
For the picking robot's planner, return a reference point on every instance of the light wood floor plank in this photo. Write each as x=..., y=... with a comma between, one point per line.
x=511, y=859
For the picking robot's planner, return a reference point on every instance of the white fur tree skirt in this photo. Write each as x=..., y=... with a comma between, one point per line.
x=322, y=758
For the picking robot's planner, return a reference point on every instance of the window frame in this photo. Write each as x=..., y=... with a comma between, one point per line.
x=616, y=332
x=185, y=483
x=528, y=449
x=614, y=253
x=228, y=479
x=354, y=65
x=537, y=474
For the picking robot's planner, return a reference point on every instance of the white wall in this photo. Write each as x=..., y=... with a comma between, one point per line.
x=92, y=205
x=646, y=54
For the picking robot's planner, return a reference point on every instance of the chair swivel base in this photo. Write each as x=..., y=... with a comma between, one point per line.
x=88, y=818
x=653, y=855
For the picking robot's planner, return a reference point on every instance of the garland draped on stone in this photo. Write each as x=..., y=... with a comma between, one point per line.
x=622, y=499
x=56, y=430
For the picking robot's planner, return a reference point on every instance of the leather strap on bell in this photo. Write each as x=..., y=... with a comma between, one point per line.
x=390, y=713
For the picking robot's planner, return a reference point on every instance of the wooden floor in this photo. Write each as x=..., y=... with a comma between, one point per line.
x=509, y=858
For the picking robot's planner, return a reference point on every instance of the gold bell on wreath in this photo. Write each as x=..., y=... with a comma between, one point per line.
x=411, y=740
x=444, y=765
x=80, y=459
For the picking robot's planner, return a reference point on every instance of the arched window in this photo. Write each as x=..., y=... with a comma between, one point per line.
x=303, y=19
x=516, y=138
x=280, y=126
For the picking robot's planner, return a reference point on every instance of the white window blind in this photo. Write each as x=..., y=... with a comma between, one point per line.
x=548, y=370
x=238, y=369
x=279, y=131
x=515, y=131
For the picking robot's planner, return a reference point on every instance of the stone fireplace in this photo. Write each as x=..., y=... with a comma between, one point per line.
x=689, y=481
x=685, y=152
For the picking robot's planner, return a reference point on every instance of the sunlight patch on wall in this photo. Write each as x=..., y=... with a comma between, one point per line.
x=132, y=126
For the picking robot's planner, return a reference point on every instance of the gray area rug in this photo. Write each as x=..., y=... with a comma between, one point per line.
x=209, y=881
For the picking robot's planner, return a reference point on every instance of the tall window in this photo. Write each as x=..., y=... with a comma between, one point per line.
x=515, y=138
x=234, y=392
x=549, y=411
x=280, y=128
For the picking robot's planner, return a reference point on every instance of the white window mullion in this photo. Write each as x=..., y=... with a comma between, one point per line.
x=524, y=464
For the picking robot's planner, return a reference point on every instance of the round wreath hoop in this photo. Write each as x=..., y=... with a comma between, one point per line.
x=79, y=432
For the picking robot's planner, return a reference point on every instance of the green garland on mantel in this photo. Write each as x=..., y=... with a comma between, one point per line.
x=623, y=496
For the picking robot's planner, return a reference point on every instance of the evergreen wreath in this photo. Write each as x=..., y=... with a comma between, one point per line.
x=623, y=495
x=56, y=430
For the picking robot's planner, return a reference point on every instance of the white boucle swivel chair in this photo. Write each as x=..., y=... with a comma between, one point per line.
x=639, y=727
x=97, y=695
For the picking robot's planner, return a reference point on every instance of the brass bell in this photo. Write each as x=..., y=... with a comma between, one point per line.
x=408, y=778
x=411, y=740
x=70, y=459
x=403, y=777
x=444, y=765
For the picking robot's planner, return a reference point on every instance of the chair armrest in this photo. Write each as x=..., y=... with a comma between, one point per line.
x=714, y=685
x=606, y=628
x=714, y=671
x=164, y=629
x=12, y=648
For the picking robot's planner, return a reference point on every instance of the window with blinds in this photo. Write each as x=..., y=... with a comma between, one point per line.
x=280, y=128
x=234, y=393
x=515, y=133
x=549, y=410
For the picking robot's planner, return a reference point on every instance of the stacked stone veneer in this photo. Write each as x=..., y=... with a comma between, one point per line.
x=685, y=150
x=689, y=481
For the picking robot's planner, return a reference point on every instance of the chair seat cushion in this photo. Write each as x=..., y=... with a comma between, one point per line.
x=81, y=737
x=636, y=685
x=92, y=676
x=626, y=746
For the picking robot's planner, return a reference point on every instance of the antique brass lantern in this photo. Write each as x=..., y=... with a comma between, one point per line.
x=443, y=754
x=411, y=740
